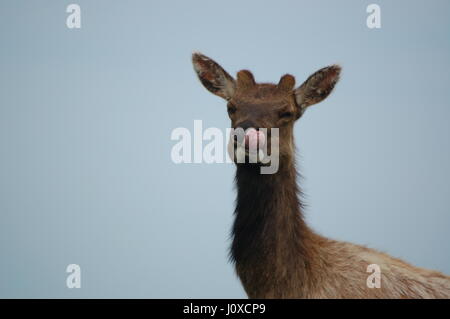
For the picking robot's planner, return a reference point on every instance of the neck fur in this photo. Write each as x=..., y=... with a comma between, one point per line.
x=270, y=240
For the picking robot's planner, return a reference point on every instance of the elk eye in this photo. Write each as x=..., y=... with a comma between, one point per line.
x=231, y=109
x=286, y=115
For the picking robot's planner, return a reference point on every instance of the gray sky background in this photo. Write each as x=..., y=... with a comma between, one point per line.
x=86, y=117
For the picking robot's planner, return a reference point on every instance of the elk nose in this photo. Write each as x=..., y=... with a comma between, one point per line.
x=254, y=139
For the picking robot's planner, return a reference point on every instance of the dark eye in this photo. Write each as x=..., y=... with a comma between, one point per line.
x=286, y=115
x=231, y=109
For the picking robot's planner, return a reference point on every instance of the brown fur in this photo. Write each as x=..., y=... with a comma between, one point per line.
x=275, y=253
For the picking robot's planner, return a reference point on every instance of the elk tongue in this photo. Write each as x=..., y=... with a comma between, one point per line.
x=253, y=138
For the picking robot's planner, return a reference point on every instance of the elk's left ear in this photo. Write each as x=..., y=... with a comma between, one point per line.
x=213, y=77
x=317, y=87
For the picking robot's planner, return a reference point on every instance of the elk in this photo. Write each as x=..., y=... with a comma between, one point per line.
x=275, y=253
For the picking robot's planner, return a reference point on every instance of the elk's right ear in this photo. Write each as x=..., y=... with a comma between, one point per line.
x=213, y=77
x=317, y=87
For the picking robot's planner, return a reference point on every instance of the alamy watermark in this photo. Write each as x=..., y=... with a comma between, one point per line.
x=74, y=278
x=374, y=279
x=73, y=20
x=244, y=146
x=373, y=20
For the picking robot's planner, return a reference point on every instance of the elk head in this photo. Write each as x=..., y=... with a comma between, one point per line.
x=256, y=108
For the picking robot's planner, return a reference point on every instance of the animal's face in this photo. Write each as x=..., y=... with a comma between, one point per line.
x=255, y=109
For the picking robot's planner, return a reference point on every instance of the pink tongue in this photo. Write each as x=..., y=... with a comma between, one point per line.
x=252, y=138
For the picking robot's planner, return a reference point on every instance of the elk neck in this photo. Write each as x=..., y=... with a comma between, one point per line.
x=269, y=237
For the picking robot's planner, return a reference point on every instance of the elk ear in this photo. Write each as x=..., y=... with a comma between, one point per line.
x=317, y=87
x=213, y=77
